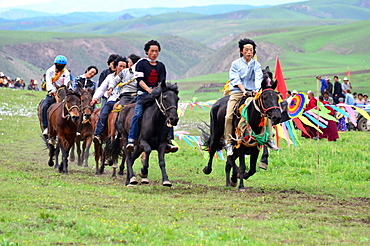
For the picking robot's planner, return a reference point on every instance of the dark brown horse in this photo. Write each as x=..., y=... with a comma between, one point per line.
x=266, y=105
x=102, y=158
x=85, y=131
x=62, y=123
x=160, y=112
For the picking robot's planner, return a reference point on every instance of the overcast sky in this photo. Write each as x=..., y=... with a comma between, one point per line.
x=117, y=5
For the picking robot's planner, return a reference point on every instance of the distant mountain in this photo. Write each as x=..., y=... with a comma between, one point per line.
x=16, y=14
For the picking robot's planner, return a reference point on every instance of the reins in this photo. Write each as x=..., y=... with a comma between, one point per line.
x=68, y=109
x=160, y=105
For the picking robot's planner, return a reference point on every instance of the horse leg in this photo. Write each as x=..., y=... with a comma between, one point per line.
x=122, y=166
x=57, y=151
x=208, y=169
x=252, y=163
x=264, y=159
x=72, y=155
x=97, y=156
x=86, y=150
x=79, y=156
x=51, y=154
x=145, y=169
x=241, y=157
x=162, y=165
x=230, y=165
x=131, y=178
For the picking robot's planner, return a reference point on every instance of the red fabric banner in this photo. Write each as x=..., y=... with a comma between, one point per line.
x=281, y=87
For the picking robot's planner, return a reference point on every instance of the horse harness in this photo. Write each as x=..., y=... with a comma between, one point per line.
x=161, y=106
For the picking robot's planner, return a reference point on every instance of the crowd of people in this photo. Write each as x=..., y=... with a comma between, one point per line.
x=19, y=83
x=341, y=92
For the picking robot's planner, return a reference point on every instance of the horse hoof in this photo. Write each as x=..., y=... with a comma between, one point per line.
x=207, y=170
x=144, y=181
x=120, y=173
x=130, y=186
x=263, y=166
x=133, y=181
x=167, y=183
x=114, y=166
x=233, y=184
x=51, y=163
x=242, y=189
x=143, y=176
x=71, y=159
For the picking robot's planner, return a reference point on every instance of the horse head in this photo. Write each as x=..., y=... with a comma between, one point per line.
x=167, y=100
x=269, y=99
x=86, y=108
x=61, y=93
x=72, y=103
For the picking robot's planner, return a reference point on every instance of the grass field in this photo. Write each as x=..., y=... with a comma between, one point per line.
x=317, y=194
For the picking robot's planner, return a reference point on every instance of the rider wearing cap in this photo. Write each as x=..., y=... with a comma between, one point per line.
x=56, y=76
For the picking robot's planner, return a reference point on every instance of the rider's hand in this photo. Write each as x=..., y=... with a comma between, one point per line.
x=93, y=102
x=52, y=93
x=109, y=92
x=150, y=90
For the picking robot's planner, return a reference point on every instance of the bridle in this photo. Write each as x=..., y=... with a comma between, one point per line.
x=69, y=109
x=261, y=108
x=161, y=106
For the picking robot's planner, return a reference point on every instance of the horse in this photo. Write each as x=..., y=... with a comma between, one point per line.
x=109, y=136
x=160, y=113
x=62, y=123
x=85, y=130
x=266, y=105
x=59, y=96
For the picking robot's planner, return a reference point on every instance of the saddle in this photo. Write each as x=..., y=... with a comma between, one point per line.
x=244, y=133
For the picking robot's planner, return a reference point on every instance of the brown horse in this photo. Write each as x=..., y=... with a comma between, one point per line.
x=108, y=137
x=85, y=130
x=62, y=123
x=59, y=96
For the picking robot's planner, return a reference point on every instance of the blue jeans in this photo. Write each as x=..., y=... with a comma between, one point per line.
x=49, y=100
x=138, y=113
x=104, y=112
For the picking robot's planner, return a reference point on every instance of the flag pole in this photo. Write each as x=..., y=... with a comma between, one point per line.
x=318, y=84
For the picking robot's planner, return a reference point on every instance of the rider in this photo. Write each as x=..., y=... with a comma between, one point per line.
x=57, y=75
x=128, y=80
x=119, y=64
x=84, y=81
x=245, y=80
x=149, y=73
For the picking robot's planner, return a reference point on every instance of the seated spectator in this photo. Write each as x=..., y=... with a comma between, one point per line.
x=359, y=100
x=18, y=84
x=328, y=98
x=366, y=99
x=331, y=130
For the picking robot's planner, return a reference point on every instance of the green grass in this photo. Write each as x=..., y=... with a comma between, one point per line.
x=313, y=195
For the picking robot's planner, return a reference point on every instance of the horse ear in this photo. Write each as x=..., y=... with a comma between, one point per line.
x=163, y=83
x=267, y=69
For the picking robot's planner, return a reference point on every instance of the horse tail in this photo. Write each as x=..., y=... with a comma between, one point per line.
x=216, y=129
x=206, y=136
x=113, y=149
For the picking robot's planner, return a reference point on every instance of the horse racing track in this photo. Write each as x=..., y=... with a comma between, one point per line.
x=316, y=194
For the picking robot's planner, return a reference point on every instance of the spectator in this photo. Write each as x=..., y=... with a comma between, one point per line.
x=359, y=100
x=338, y=93
x=323, y=84
x=346, y=85
x=330, y=86
x=328, y=98
x=366, y=99
x=18, y=83
x=289, y=97
x=349, y=100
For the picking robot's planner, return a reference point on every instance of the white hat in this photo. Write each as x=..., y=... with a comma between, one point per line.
x=294, y=92
x=18, y=79
x=35, y=82
x=345, y=78
x=1, y=74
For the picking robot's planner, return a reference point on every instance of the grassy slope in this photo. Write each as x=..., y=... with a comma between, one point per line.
x=295, y=202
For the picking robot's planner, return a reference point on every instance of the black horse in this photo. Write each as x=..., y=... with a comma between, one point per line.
x=266, y=105
x=160, y=112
